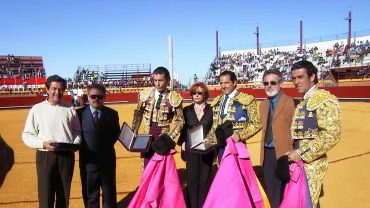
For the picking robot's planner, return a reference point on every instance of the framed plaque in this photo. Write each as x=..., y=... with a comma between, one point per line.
x=195, y=139
x=65, y=146
x=132, y=142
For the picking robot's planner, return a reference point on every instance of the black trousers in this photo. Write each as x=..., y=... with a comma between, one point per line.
x=54, y=176
x=92, y=178
x=274, y=186
x=199, y=176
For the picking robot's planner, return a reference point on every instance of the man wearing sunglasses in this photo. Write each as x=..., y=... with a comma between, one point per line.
x=100, y=130
x=236, y=107
x=276, y=114
x=316, y=126
x=159, y=106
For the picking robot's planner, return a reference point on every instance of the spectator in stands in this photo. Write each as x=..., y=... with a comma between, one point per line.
x=50, y=121
x=195, y=78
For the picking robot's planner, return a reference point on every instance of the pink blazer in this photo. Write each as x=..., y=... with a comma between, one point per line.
x=160, y=185
x=296, y=192
x=235, y=184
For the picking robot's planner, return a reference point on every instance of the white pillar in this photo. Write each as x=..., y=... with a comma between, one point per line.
x=170, y=59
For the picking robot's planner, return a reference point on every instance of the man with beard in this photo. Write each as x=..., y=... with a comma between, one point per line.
x=53, y=120
x=316, y=126
x=237, y=108
x=276, y=114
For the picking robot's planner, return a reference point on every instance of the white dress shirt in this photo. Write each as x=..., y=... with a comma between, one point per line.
x=156, y=95
x=308, y=92
x=231, y=95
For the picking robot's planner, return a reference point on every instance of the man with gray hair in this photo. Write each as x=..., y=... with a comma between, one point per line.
x=276, y=114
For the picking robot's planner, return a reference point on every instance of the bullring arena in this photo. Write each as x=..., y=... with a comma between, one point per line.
x=342, y=59
x=344, y=186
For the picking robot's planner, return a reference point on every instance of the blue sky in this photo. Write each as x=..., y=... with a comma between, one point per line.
x=100, y=32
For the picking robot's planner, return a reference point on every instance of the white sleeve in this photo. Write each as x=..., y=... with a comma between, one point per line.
x=76, y=127
x=30, y=132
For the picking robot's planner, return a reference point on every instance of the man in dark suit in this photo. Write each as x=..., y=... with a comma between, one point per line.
x=100, y=130
x=276, y=115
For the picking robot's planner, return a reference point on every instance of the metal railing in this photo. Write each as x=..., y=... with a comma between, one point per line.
x=116, y=71
x=308, y=40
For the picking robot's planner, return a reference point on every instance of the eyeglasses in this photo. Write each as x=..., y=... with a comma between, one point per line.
x=100, y=97
x=271, y=83
x=197, y=93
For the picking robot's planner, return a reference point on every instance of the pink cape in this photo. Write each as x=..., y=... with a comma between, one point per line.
x=296, y=192
x=160, y=184
x=235, y=184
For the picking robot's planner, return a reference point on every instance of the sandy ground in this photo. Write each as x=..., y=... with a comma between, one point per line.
x=345, y=184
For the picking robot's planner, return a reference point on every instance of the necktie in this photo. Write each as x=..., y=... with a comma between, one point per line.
x=96, y=116
x=268, y=136
x=224, y=104
x=158, y=104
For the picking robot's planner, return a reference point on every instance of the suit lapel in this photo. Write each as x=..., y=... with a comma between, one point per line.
x=192, y=111
x=280, y=105
x=206, y=112
x=265, y=110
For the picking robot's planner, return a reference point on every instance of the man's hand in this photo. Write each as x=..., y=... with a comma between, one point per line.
x=47, y=145
x=206, y=141
x=183, y=146
x=293, y=156
x=236, y=137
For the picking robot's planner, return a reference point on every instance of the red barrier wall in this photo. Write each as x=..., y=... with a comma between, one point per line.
x=19, y=81
x=340, y=92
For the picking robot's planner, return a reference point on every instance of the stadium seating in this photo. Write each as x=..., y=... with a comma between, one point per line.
x=112, y=76
x=250, y=67
x=21, y=70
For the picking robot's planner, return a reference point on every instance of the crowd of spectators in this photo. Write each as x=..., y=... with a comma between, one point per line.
x=15, y=68
x=249, y=66
x=342, y=55
x=85, y=77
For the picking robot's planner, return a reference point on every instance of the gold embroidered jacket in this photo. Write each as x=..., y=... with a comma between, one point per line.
x=326, y=108
x=170, y=108
x=241, y=110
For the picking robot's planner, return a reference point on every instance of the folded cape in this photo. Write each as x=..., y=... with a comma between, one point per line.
x=235, y=184
x=160, y=185
x=297, y=193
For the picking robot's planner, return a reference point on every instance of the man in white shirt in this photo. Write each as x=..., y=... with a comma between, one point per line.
x=50, y=121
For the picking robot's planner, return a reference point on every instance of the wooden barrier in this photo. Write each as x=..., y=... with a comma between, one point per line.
x=345, y=92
